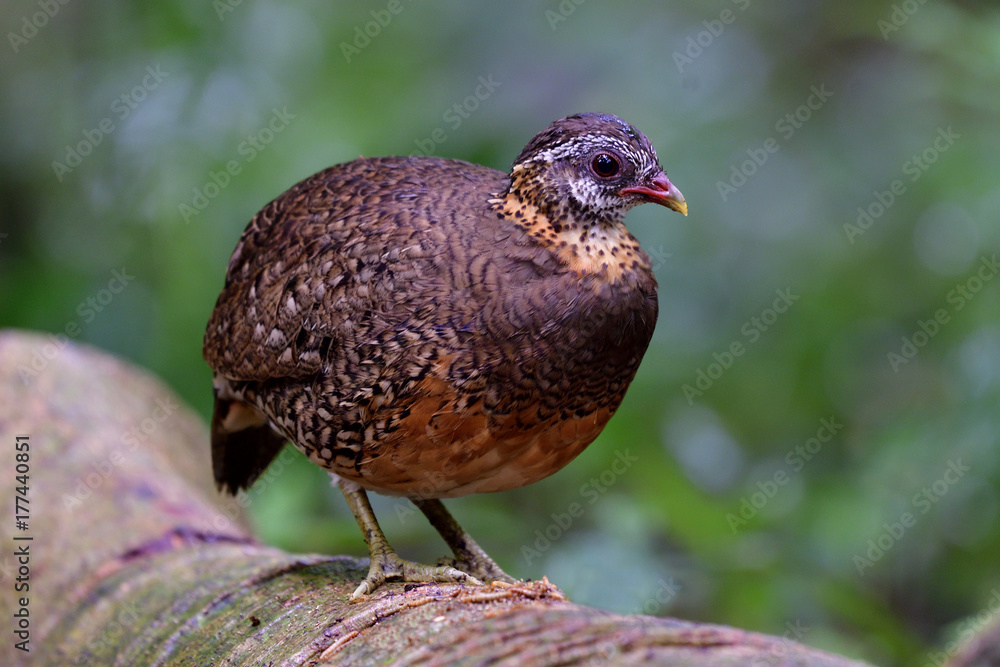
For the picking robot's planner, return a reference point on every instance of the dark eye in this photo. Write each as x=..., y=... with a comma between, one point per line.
x=605, y=165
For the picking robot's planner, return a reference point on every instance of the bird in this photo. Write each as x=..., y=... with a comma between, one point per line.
x=430, y=328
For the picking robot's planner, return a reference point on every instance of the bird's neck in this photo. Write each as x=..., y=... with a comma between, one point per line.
x=583, y=243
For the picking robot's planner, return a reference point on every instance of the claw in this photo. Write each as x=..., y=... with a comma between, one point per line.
x=469, y=556
x=388, y=565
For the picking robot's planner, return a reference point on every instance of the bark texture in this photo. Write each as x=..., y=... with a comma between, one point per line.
x=137, y=560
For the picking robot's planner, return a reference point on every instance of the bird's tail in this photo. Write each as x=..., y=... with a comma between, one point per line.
x=243, y=444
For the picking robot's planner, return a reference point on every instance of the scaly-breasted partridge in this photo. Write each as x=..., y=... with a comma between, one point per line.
x=431, y=328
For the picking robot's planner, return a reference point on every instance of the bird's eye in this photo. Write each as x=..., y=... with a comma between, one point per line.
x=605, y=165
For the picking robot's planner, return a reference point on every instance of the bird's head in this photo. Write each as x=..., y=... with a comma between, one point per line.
x=591, y=168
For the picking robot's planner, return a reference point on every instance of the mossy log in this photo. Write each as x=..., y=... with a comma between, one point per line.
x=134, y=559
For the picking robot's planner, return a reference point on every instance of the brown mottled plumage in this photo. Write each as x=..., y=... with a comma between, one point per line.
x=432, y=328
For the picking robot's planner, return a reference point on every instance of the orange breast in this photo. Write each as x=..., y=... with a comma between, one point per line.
x=445, y=448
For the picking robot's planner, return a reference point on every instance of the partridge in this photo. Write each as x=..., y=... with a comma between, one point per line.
x=431, y=328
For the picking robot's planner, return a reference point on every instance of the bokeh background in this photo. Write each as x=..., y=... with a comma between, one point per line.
x=782, y=123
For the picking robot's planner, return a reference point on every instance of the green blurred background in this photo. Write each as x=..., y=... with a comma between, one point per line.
x=144, y=104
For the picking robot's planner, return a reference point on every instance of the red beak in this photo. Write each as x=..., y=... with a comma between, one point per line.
x=659, y=191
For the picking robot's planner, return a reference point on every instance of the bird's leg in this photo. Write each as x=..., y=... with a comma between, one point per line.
x=385, y=563
x=469, y=556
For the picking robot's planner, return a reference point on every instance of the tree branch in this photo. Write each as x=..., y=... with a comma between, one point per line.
x=137, y=560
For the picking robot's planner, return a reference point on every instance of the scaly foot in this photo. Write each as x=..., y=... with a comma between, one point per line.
x=385, y=563
x=388, y=565
x=469, y=556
